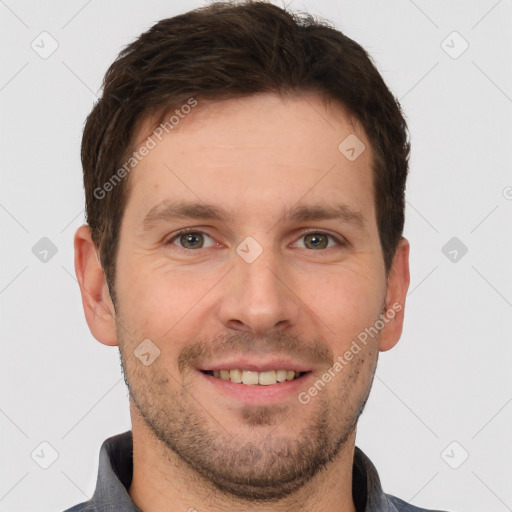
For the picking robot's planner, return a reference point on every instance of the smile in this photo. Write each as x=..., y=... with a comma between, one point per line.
x=254, y=378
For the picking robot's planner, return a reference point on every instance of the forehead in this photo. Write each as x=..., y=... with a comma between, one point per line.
x=250, y=153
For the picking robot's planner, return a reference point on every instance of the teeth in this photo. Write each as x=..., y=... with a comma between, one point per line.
x=250, y=378
x=267, y=378
x=235, y=375
x=253, y=378
x=281, y=375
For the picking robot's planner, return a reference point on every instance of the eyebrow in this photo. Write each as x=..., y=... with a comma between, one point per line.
x=180, y=210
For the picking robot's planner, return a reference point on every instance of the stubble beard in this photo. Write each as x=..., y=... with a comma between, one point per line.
x=259, y=470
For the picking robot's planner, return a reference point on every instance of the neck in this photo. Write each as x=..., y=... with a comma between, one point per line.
x=161, y=478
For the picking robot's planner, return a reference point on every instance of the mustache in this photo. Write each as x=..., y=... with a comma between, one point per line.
x=247, y=344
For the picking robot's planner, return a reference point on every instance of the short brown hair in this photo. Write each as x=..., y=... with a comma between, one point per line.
x=228, y=50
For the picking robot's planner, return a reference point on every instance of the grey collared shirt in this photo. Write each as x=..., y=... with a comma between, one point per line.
x=116, y=469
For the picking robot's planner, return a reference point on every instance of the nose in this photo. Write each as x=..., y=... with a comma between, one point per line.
x=258, y=297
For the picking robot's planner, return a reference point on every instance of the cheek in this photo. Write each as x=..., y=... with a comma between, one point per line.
x=346, y=301
x=162, y=302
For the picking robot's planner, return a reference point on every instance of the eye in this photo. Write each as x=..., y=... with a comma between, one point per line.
x=191, y=240
x=318, y=240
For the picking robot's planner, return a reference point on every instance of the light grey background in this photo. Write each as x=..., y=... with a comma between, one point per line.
x=449, y=378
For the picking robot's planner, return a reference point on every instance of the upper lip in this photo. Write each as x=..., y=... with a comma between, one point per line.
x=255, y=364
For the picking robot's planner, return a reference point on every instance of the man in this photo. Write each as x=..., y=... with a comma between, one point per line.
x=244, y=174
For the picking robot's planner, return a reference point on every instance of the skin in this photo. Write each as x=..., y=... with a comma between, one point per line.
x=196, y=447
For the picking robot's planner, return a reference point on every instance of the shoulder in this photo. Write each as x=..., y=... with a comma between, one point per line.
x=402, y=506
x=86, y=506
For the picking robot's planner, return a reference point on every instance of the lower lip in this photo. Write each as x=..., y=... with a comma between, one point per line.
x=258, y=394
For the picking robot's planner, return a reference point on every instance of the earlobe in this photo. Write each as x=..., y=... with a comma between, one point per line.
x=398, y=284
x=98, y=307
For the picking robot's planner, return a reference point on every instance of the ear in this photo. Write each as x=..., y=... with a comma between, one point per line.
x=98, y=307
x=398, y=284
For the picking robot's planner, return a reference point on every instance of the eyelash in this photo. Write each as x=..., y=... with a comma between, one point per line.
x=339, y=241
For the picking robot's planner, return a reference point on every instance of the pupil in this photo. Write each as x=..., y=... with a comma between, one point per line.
x=191, y=240
x=317, y=241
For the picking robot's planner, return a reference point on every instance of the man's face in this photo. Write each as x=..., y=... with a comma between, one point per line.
x=272, y=285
